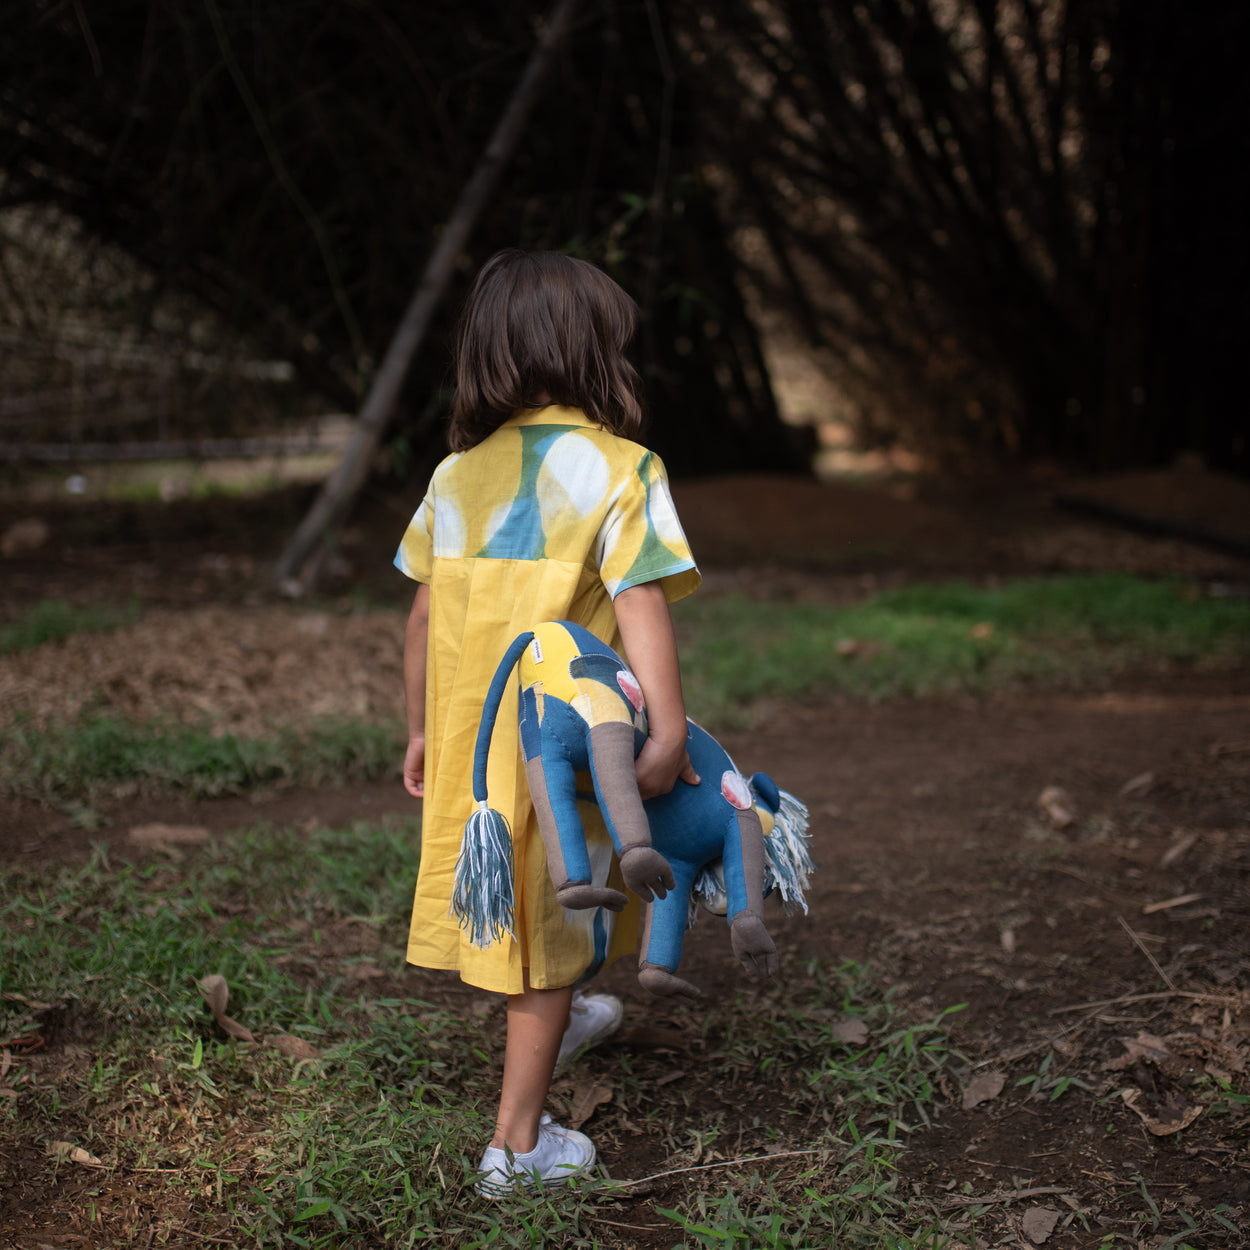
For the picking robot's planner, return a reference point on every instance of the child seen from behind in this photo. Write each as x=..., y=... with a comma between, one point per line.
x=545, y=510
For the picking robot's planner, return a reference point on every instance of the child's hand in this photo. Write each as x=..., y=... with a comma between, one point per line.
x=660, y=766
x=414, y=767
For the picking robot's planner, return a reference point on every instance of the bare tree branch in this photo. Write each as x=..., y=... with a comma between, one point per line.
x=379, y=406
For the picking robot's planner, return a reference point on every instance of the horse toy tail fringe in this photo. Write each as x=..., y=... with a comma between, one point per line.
x=483, y=897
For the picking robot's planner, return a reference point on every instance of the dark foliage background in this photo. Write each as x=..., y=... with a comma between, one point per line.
x=1013, y=227
x=1006, y=218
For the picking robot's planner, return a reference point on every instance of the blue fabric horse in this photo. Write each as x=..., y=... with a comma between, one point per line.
x=727, y=841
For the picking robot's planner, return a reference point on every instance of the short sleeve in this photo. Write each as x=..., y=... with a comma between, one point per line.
x=641, y=539
x=415, y=557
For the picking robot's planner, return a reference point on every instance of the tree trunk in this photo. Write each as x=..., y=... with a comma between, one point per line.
x=379, y=406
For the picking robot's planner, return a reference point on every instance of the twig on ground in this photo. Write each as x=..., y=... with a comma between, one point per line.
x=1168, y=903
x=641, y=1228
x=1217, y=999
x=723, y=1163
x=1014, y=1196
x=1141, y=946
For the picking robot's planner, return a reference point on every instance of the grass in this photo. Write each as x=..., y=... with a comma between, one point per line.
x=373, y=1142
x=53, y=620
x=951, y=639
x=102, y=755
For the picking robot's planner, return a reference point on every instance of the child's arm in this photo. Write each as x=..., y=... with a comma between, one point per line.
x=651, y=647
x=414, y=690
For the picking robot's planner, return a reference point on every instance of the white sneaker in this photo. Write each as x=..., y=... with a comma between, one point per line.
x=561, y=1155
x=592, y=1018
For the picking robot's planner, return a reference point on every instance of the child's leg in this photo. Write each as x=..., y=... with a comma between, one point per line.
x=536, y=1023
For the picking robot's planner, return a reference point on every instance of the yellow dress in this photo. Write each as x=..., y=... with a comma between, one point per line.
x=549, y=518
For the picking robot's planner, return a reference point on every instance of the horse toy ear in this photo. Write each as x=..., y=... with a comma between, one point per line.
x=764, y=788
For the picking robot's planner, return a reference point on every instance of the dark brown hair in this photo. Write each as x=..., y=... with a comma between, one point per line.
x=544, y=324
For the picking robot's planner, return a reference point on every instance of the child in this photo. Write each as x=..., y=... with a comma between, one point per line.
x=545, y=511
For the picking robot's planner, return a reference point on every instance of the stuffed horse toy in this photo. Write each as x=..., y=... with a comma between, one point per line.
x=726, y=841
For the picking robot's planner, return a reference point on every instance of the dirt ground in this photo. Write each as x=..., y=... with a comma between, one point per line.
x=1073, y=868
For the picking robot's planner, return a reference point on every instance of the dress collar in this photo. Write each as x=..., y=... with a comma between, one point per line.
x=552, y=414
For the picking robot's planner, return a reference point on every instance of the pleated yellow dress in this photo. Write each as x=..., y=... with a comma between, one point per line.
x=549, y=518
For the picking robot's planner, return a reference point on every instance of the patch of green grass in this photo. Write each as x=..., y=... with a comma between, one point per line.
x=53, y=620
x=103, y=755
x=138, y=935
x=953, y=638
x=374, y=1142
x=846, y=1198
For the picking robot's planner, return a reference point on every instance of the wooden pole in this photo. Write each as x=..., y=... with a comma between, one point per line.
x=348, y=476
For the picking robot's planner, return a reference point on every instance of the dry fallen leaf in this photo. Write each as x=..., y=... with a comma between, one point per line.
x=75, y=1154
x=1057, y=807
x=850, y=1032
x=1039, y=1223
x=1143, y=1046
x=161, y=835
x=1174, y=1119
x=1148, y=1045
x=294, y=1046
x=587, y=1095
x=982, y=1088
x=217, y=994
x=33, y=1004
